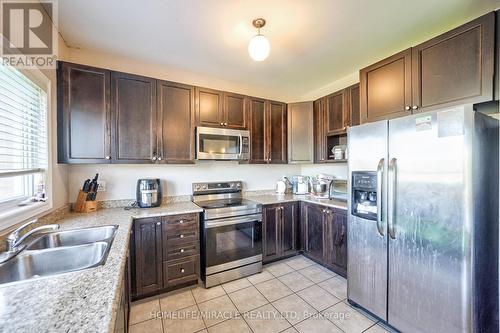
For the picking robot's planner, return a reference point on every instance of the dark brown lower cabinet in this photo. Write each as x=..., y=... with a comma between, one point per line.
x=313, y=230
x=324, y=235
x=146, y=256
x=280, y=230
x=165, y=254
x=336, y=240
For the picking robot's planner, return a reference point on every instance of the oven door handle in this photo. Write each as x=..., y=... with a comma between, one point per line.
x=234, y=220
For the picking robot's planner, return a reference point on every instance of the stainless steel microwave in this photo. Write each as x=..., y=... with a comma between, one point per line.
x=222, y=144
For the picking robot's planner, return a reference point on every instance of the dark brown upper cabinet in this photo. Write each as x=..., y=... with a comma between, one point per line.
x=235, y=109
x=176, y=137
x=455, y=67
x=319, y=130
x=385, y=88
x=277, y=133
x=268, y=129
x=335, y=113
x=332, y=115
x=133, y=109
x=209, y=110
x=353, y=105
x=83, y=112
x=258, y=125
x=220, y=109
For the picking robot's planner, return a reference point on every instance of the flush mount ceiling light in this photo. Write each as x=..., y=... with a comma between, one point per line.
x=259, y=46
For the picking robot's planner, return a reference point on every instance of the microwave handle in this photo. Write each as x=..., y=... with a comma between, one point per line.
x=241, y=145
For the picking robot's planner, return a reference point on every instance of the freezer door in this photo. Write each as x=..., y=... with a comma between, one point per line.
x=429, y=205
x=366, y=247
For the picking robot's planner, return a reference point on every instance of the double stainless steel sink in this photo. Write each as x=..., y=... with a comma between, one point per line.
x=60, y=252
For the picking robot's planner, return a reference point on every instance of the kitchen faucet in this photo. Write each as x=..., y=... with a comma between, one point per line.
x=14, y=240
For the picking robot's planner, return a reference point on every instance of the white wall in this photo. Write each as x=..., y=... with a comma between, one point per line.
x=177, y=179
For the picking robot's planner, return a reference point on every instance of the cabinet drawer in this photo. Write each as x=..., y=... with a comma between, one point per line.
x=181, y=221
x=177, y=251
x=183, y=235
x=180, y=271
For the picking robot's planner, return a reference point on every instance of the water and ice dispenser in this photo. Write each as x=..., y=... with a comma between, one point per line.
x=364, y=194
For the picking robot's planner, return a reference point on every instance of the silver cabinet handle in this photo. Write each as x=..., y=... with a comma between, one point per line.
x=153, y=158
x=182, y=270
x=181, y=221
x=380, y=179
x=181, y=236
x=158, y=223
x=414, y=107
x=225, y=124
x=391, y=198
x=108, y=157
x=182, y=250
x=222, y=124
x=159, y=158
x=407, y=108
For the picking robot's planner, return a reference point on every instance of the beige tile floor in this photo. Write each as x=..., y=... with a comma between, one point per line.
x=291, y=295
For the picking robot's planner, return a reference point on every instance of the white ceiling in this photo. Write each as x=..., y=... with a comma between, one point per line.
x=313, y=42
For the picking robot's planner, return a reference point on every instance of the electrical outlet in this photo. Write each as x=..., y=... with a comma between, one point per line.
x=102, y=186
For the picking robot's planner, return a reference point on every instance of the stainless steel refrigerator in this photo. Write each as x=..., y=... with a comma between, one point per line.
x=423, y=221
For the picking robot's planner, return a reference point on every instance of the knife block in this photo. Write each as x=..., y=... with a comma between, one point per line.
x=84, y=206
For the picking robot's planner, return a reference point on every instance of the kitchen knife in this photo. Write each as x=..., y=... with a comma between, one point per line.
x=86, y=186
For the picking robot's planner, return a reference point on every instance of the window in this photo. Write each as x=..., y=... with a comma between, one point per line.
x=23, y=139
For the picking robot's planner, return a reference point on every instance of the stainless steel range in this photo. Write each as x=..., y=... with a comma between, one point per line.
x=231, y=232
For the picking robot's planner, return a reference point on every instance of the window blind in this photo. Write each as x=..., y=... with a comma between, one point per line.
x=23, y=125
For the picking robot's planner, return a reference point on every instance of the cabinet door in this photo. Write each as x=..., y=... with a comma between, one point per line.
x=314, y=229
x=353, y=97
x=258, y=122
x=289, y=225
x=235, y=111
x=83, y=125
x=147, y=257
x=133, y=109
x=271, y=232
x=455, y=67
x=300, y=132
x=336, y=241
x=385, y=88
x=209, y=110
x=277, y=133
x=319, y=131
x=176, y=122
x=335, y=118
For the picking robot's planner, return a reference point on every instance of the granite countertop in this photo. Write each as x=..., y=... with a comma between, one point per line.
x=88, y=300
x=82, y=301
x=268, y=199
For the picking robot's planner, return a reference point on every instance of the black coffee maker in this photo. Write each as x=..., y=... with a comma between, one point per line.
x=149, y=193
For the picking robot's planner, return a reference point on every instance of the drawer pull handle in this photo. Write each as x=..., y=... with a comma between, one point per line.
x=181, y=221
x=158, y=223
x=181, y=236
x=182, y=250
x=182, y=270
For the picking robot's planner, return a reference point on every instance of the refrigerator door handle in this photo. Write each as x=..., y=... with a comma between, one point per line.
x=380, y=179
x=392, y=197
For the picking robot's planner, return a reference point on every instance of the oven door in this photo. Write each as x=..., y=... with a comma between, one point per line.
x=221, y=144
x=232, y=242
